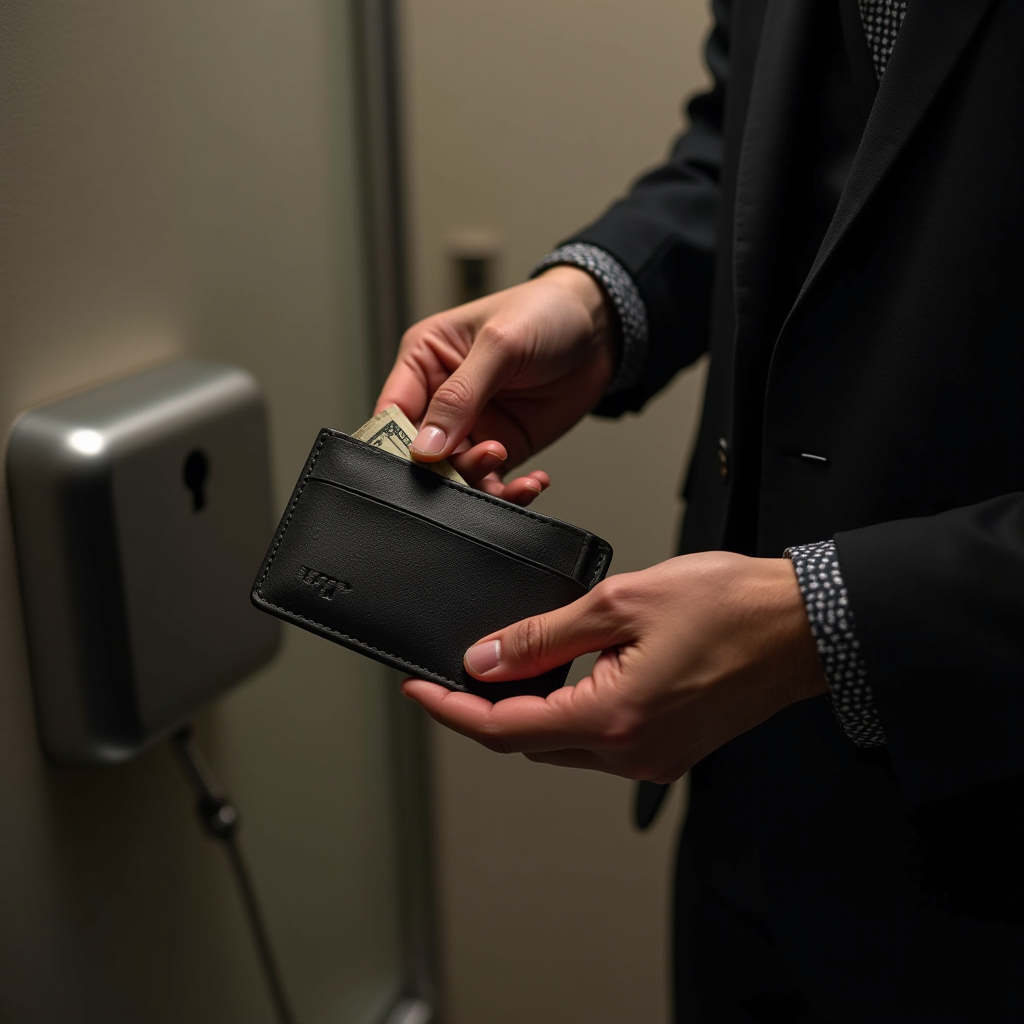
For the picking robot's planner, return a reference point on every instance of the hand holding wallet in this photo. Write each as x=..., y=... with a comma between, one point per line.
x=391, y=560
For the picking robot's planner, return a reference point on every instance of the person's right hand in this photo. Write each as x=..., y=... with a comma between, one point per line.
x=495, y=380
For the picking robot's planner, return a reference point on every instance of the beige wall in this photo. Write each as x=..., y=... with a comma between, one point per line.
x=524, y=120
x=174, y=178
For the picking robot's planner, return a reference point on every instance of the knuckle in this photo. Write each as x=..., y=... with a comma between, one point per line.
x=453, y=396
x=414, y=335
x=529, y=641
x=610, y=595
x=623, y=732
x=497, y=335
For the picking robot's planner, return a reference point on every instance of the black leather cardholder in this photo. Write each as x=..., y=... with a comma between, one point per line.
x=404, y=566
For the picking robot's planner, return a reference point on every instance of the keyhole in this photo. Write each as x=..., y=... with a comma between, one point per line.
x=197, y=469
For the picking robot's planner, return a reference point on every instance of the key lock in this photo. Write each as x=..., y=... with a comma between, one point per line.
x=195, y=473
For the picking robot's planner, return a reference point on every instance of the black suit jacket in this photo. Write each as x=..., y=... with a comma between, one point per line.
x=889, y=339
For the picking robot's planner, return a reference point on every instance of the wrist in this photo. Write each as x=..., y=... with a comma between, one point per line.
x=600, y=309
x=786, y=618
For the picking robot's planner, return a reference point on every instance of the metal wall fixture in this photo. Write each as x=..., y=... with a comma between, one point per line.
x=140, y=510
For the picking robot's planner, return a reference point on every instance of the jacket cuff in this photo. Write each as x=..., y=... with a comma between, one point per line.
x=625, y=297
x=835, y=632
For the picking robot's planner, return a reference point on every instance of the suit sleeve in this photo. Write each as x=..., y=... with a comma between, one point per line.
x=940, y=621
x=664, y=234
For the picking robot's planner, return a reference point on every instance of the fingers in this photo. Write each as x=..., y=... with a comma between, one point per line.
x=430, y=351
x=408, y=388
x=520, y=491
x=543, y=642
x=524, y=489
x=571, y=728
x=458, y=400
x=478, y=461
x=480, y=465
x=518, y=724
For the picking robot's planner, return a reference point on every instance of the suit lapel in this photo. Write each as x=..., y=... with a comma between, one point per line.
x=764, y=162
x=931, y=39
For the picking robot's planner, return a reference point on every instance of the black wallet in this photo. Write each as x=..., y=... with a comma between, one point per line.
x=407, y=567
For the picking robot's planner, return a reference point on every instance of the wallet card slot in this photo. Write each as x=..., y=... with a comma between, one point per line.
x=369, y=471
x=436, y=525
x=401, y=588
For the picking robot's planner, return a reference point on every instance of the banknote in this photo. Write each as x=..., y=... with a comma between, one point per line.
x=391, y=431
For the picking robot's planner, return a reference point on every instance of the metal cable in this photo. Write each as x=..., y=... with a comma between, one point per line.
x=220, y=821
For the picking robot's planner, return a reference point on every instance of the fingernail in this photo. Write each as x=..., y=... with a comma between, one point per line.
x=483, y=657
x=430, y=441
x=526, y=498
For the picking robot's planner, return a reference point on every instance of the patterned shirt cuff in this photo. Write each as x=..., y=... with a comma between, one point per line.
x=625, y=296
x=835, y=632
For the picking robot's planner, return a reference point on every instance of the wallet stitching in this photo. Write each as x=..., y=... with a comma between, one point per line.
x=362, y=643
x=600, y=565
x=501, y=505
x=461, y=533
x=288, y=518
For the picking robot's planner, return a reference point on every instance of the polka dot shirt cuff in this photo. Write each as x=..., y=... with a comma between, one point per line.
x=625, y=296
x=835, y=632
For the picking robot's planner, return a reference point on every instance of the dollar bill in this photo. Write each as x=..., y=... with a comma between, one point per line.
x=391, y=431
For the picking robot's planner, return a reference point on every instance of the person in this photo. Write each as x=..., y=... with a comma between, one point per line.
x=837, y=657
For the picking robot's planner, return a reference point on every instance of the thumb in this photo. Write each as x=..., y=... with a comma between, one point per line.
x=542, y=642
x=458, y=401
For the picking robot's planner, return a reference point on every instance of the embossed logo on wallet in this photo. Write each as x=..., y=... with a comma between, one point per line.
x=326, y=586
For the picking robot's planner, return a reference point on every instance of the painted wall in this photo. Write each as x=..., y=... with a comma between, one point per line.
x=524, y=120
x=175, y=178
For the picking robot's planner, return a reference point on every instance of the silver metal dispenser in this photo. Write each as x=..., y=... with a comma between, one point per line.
x=141, y=511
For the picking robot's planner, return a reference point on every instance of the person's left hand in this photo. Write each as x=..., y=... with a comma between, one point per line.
x=696, y=650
